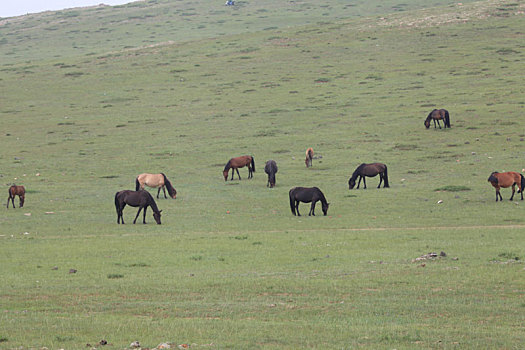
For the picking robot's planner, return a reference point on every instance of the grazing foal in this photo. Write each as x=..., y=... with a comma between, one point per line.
x=19, y=191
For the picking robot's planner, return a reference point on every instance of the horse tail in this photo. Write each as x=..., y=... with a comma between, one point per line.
x=447, y=119
x=522, y=184
x=253, y=164
x=385, y=179
x=137, y=184
x=117, y=204
x=171, y=189
x=292, y=201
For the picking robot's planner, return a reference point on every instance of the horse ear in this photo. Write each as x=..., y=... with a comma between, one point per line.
x=160, y=211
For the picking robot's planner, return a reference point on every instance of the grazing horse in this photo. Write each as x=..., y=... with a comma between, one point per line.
x=239, y=162
x=307, y=195
x=154, y=181
x=309, y=157
x=141, y=199
x=369, y=170
x=271, y=169
x=508, y=179
x=19, y=191
x=437, y=115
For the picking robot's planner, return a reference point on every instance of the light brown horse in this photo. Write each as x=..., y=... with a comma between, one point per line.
x=309, y=157
x=508, y=179
x=239, y=162
x=19, y=191
x=159, y=181
x=437, y=115
x=369, y=170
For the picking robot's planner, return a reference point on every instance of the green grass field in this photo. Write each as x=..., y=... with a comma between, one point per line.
x=90, y=98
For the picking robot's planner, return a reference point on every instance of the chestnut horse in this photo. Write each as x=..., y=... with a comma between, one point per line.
x=369, y=170
x=307, y=195
x=309, y=157
x=141, y=199
x=239, y=162
x=271, y=169
x=508, y=179
x=437, y=115
x=154, y=181
x=19, y=191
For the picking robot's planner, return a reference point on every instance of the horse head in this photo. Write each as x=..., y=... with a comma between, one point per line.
x=351, y=183
x=156, y=216
x=325, y=208
x=225, y=174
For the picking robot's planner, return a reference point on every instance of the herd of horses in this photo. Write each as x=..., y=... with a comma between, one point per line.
x=143, y=199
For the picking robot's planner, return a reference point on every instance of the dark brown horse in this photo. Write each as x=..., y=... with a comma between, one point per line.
x=508, y=179
x=141, y=199
x=239, y=162
x=436, y=115
x=369, y=170
x=154, y=181
x=309, y=157
x=307, y=195
x=19, y=191
x=271, y=169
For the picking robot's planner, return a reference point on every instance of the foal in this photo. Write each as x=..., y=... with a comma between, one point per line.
x=19, y=191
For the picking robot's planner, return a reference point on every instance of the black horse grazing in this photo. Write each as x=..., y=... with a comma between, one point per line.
x=271, y=169
x=307, y=195
x=437, y=115
x=142, y=199
x=369, y=170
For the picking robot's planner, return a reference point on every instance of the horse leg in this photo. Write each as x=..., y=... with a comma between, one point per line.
x=233, y=173
x=158, y=192
x=498, y=194
x=312, y=209
x=513, y=190
x=138, y=212
x=121, y=212
x=8, y=198
x=359, y=182
x=297, y=207
x=380, y=180
x=144, y=219
x=239, y=175
x=364, y=182
x=164, y=191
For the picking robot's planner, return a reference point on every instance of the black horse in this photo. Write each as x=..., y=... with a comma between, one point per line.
x=271, y=169
x=437, y=115
x=142, y=199
x=307, y=195
x=369, y=170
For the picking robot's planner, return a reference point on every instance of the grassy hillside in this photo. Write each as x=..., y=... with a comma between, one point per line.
x=114, y=92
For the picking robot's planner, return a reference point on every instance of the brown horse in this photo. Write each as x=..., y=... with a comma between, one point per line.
x=437, y=115
x=239, y=162
x=141, y=199
x=508, y=179
x=369, y=170
x=159, y=181
x=19, y=191
x=309, y=157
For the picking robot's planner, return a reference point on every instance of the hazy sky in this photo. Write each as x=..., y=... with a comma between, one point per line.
x=10, y=8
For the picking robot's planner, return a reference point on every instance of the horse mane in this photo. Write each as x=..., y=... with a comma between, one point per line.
x=228, y=165
x=152, y=203
x=429, y=116
x=493, y=178
x=358, y=170
x=321, y=195
x=169, y=186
